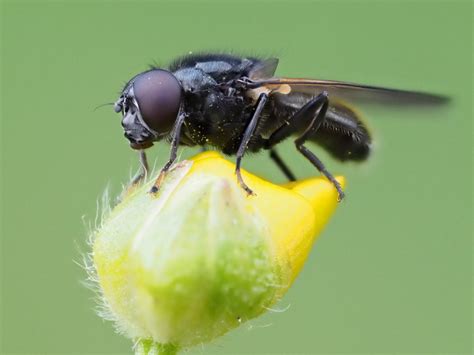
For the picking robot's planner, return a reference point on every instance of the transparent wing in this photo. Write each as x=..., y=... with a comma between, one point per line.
x=264, y=69
x=355, y=93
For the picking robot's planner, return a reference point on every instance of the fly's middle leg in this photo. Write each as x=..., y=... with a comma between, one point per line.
x=173, y=153
x=249, y=131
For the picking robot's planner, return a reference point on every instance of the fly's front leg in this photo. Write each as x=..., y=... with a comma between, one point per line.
x=249, y=131
x=313, y=112
x=142, y=175
x=143, y=169
x=173, y=153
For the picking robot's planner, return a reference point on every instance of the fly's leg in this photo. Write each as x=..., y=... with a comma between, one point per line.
x=142, y=175
x=249, y=131
x=320, y=166
x=310, y=130
x=281, y=164
x=313, y=112
x=143, y=169
x=173, y=153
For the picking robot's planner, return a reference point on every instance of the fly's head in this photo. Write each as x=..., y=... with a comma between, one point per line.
x=149, y=104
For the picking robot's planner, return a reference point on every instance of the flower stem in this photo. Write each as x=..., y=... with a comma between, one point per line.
x=149, y=347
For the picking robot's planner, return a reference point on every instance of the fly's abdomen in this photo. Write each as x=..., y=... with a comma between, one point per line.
x=343, y=134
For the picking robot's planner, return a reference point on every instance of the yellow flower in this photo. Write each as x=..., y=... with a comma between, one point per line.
x=201, y=257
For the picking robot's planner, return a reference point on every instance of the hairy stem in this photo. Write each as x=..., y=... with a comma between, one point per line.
x=148, y=347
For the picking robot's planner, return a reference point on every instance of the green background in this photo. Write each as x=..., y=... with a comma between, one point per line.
x=391, y=273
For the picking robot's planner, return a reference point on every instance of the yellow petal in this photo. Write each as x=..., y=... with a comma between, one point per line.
x=322, y=196
x=295, y=212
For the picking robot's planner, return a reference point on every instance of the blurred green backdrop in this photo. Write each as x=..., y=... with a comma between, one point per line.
x=391, y=274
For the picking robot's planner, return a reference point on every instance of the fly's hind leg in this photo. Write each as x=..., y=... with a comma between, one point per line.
x=282, y=165
x=313, y=112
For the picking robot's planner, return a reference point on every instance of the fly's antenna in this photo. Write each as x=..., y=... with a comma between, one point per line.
x=106, y=104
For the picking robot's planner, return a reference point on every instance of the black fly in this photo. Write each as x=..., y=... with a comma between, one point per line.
x=236, y=105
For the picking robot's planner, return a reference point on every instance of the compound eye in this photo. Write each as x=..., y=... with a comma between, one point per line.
x=158, y=94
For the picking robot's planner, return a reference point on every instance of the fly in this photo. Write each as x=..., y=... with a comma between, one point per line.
x=237, y=104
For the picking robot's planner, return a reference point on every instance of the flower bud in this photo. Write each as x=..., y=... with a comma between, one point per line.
x=200, y=257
